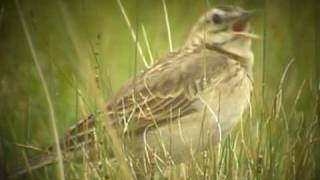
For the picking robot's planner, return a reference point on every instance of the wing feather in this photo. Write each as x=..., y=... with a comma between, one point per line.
x=166, y=91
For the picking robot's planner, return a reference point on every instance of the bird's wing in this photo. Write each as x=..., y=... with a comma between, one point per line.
x=166, y=91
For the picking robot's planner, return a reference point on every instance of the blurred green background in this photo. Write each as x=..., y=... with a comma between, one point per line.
x=81, y=43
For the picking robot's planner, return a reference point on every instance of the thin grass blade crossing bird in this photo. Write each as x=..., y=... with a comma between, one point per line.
x=189, y=99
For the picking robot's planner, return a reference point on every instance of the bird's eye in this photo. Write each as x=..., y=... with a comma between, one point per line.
x=217, y=19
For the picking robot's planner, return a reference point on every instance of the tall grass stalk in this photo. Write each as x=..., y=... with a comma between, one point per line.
x=45, y=88
x=115, y=141
x=167, y=24
x=146, y=40
x=133, y=34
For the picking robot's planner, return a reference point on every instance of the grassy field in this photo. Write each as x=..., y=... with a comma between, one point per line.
x=70, y=56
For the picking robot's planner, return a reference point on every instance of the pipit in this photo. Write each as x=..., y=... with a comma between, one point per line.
x=188, y=99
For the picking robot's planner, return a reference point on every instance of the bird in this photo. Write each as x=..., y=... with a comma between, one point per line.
x=187, y=100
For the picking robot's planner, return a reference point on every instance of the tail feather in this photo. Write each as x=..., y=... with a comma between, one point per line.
x=33, y=164
x=80, y=135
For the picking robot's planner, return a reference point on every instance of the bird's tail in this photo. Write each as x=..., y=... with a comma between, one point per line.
x=81, y=135
x=33, y=164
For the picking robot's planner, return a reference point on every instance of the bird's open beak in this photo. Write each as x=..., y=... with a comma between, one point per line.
x=240, y=23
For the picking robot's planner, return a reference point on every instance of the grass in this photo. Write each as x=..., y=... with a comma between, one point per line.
x=83, y=53
x=47, y=94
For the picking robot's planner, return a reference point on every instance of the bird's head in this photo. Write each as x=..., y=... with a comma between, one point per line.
x=226, y=27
